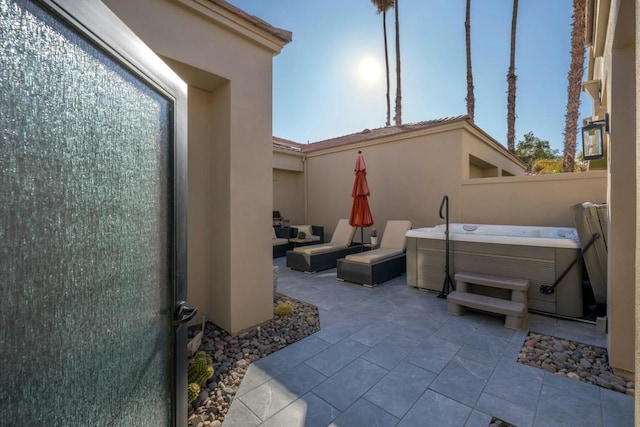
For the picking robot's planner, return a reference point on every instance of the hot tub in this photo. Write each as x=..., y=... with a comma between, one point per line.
x=540, y=254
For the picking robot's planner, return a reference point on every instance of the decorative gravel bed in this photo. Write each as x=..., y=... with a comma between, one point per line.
x=233, y=355
x=574, y=360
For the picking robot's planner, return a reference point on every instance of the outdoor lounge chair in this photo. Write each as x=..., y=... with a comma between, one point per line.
x=379, y=265
x=324, y=255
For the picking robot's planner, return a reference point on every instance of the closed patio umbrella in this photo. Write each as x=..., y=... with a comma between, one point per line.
x=360, y=212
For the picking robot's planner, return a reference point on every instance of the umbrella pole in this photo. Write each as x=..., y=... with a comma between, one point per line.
x=361, y=239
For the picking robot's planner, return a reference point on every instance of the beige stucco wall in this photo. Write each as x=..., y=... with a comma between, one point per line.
x=613, y=62
x=404, y=175
x=288, y=195
x=475, y=144
x=622, y=190
x=288, y=185
x=542, y=200
x=227, y=62
x=408, y=175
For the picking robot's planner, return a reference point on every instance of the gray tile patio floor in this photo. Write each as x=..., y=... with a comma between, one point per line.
x=392, y=356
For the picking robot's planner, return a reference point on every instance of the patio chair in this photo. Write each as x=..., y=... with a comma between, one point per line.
x=322, y=256
x=280, y=245
x=379, y=265
x=313, y=233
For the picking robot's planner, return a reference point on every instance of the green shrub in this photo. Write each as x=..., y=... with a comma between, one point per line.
x=284, y=309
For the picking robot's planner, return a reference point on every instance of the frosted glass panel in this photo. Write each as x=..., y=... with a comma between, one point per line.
x=85, y=179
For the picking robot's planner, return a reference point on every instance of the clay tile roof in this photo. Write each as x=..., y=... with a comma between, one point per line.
x=285, y=144
x=368, y=134
x=279, y=33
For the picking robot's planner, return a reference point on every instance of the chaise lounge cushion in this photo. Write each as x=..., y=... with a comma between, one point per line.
x=374, y=256
x=393, y=243
x=394, y=236
x=342, y=237
x=319, y=249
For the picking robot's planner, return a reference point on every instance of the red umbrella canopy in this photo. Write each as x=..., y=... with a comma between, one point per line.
x=360, y=212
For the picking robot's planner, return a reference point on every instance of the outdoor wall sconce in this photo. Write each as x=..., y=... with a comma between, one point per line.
x=593, y=138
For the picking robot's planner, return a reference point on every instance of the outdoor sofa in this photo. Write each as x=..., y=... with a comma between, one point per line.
x=322, y=256
x=379, y=265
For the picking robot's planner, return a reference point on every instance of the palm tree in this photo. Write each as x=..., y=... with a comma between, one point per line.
x=471, y=100
x=511, y=81
x=398, y=116
x=383, y=6
x=576, y=70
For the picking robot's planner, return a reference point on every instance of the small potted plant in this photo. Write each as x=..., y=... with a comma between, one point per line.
x=302, y=235
x=374, y=237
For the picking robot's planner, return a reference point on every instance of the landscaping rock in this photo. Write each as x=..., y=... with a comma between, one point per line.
x=232, y=356
x=572, y=359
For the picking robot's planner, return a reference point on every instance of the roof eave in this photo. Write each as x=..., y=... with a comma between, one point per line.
x=240, y=22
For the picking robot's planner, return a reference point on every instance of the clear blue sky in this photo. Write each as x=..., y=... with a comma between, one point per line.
x=319, y=91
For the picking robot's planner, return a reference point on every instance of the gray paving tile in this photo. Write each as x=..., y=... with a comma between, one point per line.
x=420, y=331
x=240, y=416
x=478, y=419
x=373, y=333
x=390, y=351
x=506, y=411
x=617, y=408
x=516, y=383
x=308, y=411
x=339, y=331
x=433, y=354
x=293, y=354
x=337, y=356
x=457, y=330
x=493, y=326
x=267, y=399
x=407, y=317
x=365, y=386
x=400, y=388
x=571, y=386
x=255, y=376
x=483, y=349
x=348, y=384
x=364, y=414
x=462, y=380
x=435, y=409
x=300, y=379
x=330, y=317
x=559, y=408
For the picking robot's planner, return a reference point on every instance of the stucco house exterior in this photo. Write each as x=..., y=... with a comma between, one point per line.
x=613, y=83
x=225, y=56
x=411, y=167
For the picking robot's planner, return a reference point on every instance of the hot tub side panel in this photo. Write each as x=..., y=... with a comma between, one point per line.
x=541, y=265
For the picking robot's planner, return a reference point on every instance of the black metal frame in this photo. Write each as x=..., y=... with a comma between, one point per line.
x=447, y=285
x=99, y=24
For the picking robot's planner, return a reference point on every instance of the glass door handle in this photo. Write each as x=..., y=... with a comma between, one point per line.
x=183, y=313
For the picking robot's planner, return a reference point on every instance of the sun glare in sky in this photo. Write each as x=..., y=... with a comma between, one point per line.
x=370, y=70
